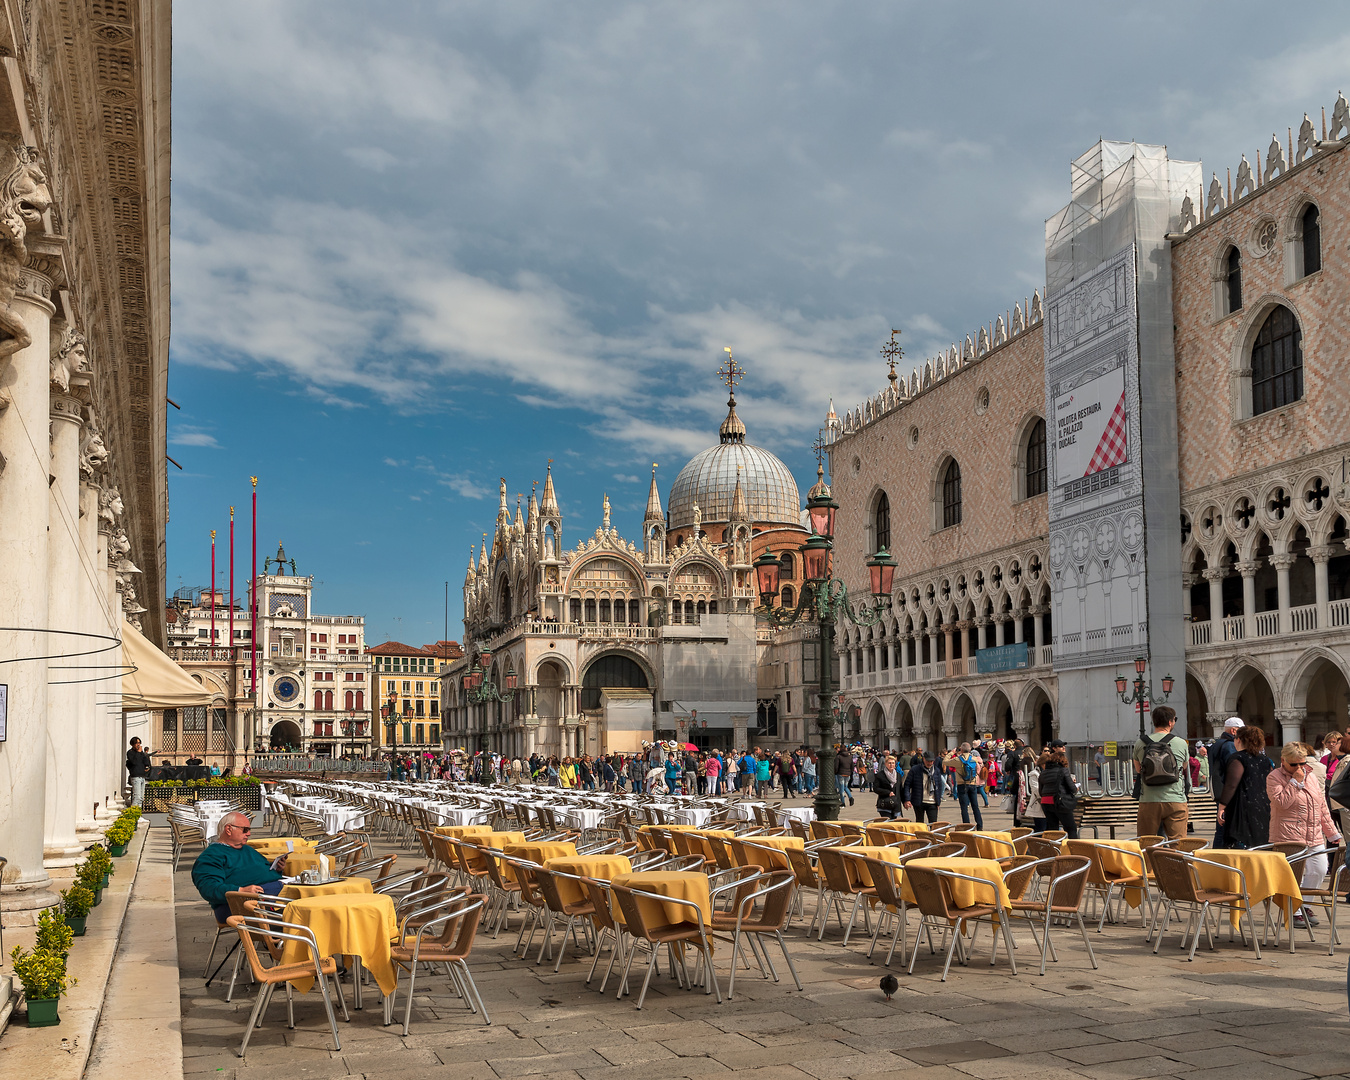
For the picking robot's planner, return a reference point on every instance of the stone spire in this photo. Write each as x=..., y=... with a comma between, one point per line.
x=549, y=507
x=532, y=515
x=738, y=508
x=518, y=526
x=483, y=558
x=471, y=574
x=654, y=512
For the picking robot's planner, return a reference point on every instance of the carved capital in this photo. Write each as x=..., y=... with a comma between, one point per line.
x=1321, y=553
x=1187, y=580
x=1214, y=573
x=1291, y=716
x=65, y=407
x=1283, y=562
x=1248, y=569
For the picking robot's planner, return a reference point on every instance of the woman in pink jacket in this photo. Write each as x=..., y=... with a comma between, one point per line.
x=1299, y=815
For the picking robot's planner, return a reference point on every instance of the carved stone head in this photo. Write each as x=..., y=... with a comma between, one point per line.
x=24, y=195
x=69, y=356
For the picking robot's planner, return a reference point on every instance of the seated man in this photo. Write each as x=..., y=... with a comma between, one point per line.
x=230, y=865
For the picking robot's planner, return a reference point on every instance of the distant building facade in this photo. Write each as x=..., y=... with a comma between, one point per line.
x=406, y=684
x=1149, y=460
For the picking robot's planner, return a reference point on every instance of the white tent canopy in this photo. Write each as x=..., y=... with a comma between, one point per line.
x=152, y=680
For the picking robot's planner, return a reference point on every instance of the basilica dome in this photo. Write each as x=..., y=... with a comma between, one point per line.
x=709, y=479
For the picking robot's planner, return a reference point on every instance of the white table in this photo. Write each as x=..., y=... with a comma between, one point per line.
x=804, y=814
x=697, y=816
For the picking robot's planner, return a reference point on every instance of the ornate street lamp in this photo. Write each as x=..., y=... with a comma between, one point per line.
x=824, y=600
x=1143, y=692
x=478, y=692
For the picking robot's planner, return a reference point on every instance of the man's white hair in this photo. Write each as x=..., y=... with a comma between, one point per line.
x=229, y=819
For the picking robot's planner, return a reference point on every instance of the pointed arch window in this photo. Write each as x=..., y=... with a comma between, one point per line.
x=881, y=522
x=951, y=495
x=1234, y=280
x=1277, y=362
x=1037, y=473
x=1311, y=223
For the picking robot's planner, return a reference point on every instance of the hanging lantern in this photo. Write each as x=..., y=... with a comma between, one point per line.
x=882, y=568
x=821, y=507
x=1120, y=685
x=510, y=677
x=816, y=556
x=1139, y=664
x=1168, y=683
x=767, y=572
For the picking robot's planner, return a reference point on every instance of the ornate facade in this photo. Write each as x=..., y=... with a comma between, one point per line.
x=952, y=464
x=84, y=330
x=613, y=641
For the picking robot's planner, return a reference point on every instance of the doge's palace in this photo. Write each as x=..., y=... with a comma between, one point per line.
x=84, y=332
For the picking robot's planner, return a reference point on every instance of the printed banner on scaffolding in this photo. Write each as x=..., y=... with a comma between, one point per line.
x=1096, y=491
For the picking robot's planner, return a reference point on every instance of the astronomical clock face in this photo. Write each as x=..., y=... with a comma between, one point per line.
x=286, y=689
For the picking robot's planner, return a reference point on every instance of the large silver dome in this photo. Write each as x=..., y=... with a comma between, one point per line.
x=710, y=480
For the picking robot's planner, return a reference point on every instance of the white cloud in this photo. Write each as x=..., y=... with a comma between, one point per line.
x=184, y=435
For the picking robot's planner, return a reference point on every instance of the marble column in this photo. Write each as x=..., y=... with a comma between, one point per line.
x=1248, y=571
x=1282, y=563
x=998, y=632
x=947, y=647
x=1215, y=721
x=1187, y=581
x=1215, y=575
x=1018, y=630
x=67, y=728
x=94, y=619
x=982, y=632
x=1291, y=724
x=952, y=737
x=24, y=383
x=1320, y=556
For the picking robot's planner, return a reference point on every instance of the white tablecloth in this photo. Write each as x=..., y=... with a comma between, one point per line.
x=742, y=811
x=689, y=815
x=459, y=815
x=804, y=814
x=580, y=817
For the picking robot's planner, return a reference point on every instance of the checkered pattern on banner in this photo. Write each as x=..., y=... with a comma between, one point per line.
x=1111, y=449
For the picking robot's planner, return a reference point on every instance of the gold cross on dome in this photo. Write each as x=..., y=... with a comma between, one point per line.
x=730, y=373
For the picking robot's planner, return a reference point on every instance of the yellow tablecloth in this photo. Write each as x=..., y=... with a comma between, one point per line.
x=603, y=867
x=488, y=838
x=769, y=860
x=669, y=828
x=352, y=886
x=892, y=832
x=462, y=830
x=985, y=845
x=272, y=846
x=964, y=893
x=683, y=885
x=540, y=853
x=859, y=875
x=351, y=924
x=699, y=844
x=1269, y=876
x=299, y=861
x=1114, y=865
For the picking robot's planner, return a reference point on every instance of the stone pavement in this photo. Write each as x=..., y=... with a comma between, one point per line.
x=1140, y=1015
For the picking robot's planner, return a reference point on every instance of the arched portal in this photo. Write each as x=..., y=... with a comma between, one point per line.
x=903, y=724
x=1249, y=697
x=998, y=716
x=875, y=725
x=1197, y=705
x=962, y=712
x=929, y=732
x=1322, y=690
x=285, y=735
x=548, y=703
x=610, y=671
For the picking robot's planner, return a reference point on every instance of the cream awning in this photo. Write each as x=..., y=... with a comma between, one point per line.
x=152, y=680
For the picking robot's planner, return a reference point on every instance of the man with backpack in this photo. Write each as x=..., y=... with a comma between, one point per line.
x=968, y=764
x=1162, y=765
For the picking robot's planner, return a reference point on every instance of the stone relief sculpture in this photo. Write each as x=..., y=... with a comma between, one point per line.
x=1215, y=201
x=1246, y=183
x=69, y=357
x=1274, y=160
x=110, y=508
x=1340, y=118
x=24, y=198
x=93, y=453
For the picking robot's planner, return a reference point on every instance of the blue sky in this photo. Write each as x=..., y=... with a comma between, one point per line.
x=417, y=247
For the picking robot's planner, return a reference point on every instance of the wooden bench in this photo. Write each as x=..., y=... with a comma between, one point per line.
x=1122, y=812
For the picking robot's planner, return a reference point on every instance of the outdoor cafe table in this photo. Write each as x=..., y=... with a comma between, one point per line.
x=272, y=846
x=858, y=874
x=1269, y=877
x=964, y=893
x=761, y=858
x=985, y=845
x=346, y=924
x=540, y=852
x=462, y=831
x=491, y=839
x=804, y=814
x=600, y=867
x=297, y=862
x=677, y=884
x=458, y=815
x=1114, y=865
x=892, y=832
x=698, y=839
x=351, y=886
x=696, y=816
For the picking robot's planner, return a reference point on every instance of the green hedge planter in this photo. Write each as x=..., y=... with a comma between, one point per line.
x=117, y=850
x=43, y=1012
x=98, y=897
x=77, y=924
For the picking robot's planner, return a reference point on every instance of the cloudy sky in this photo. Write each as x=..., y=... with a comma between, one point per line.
x=418, y=247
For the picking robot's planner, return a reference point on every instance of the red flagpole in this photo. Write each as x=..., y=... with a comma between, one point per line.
x=231, y=581
x=213, y=589
x=253, y=596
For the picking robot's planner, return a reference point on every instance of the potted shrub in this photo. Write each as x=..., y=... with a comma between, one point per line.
x=100, y=860
x=91, y=877
x=44, y=981
x=76, y=903
x=119, y=836
x=54, y=934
